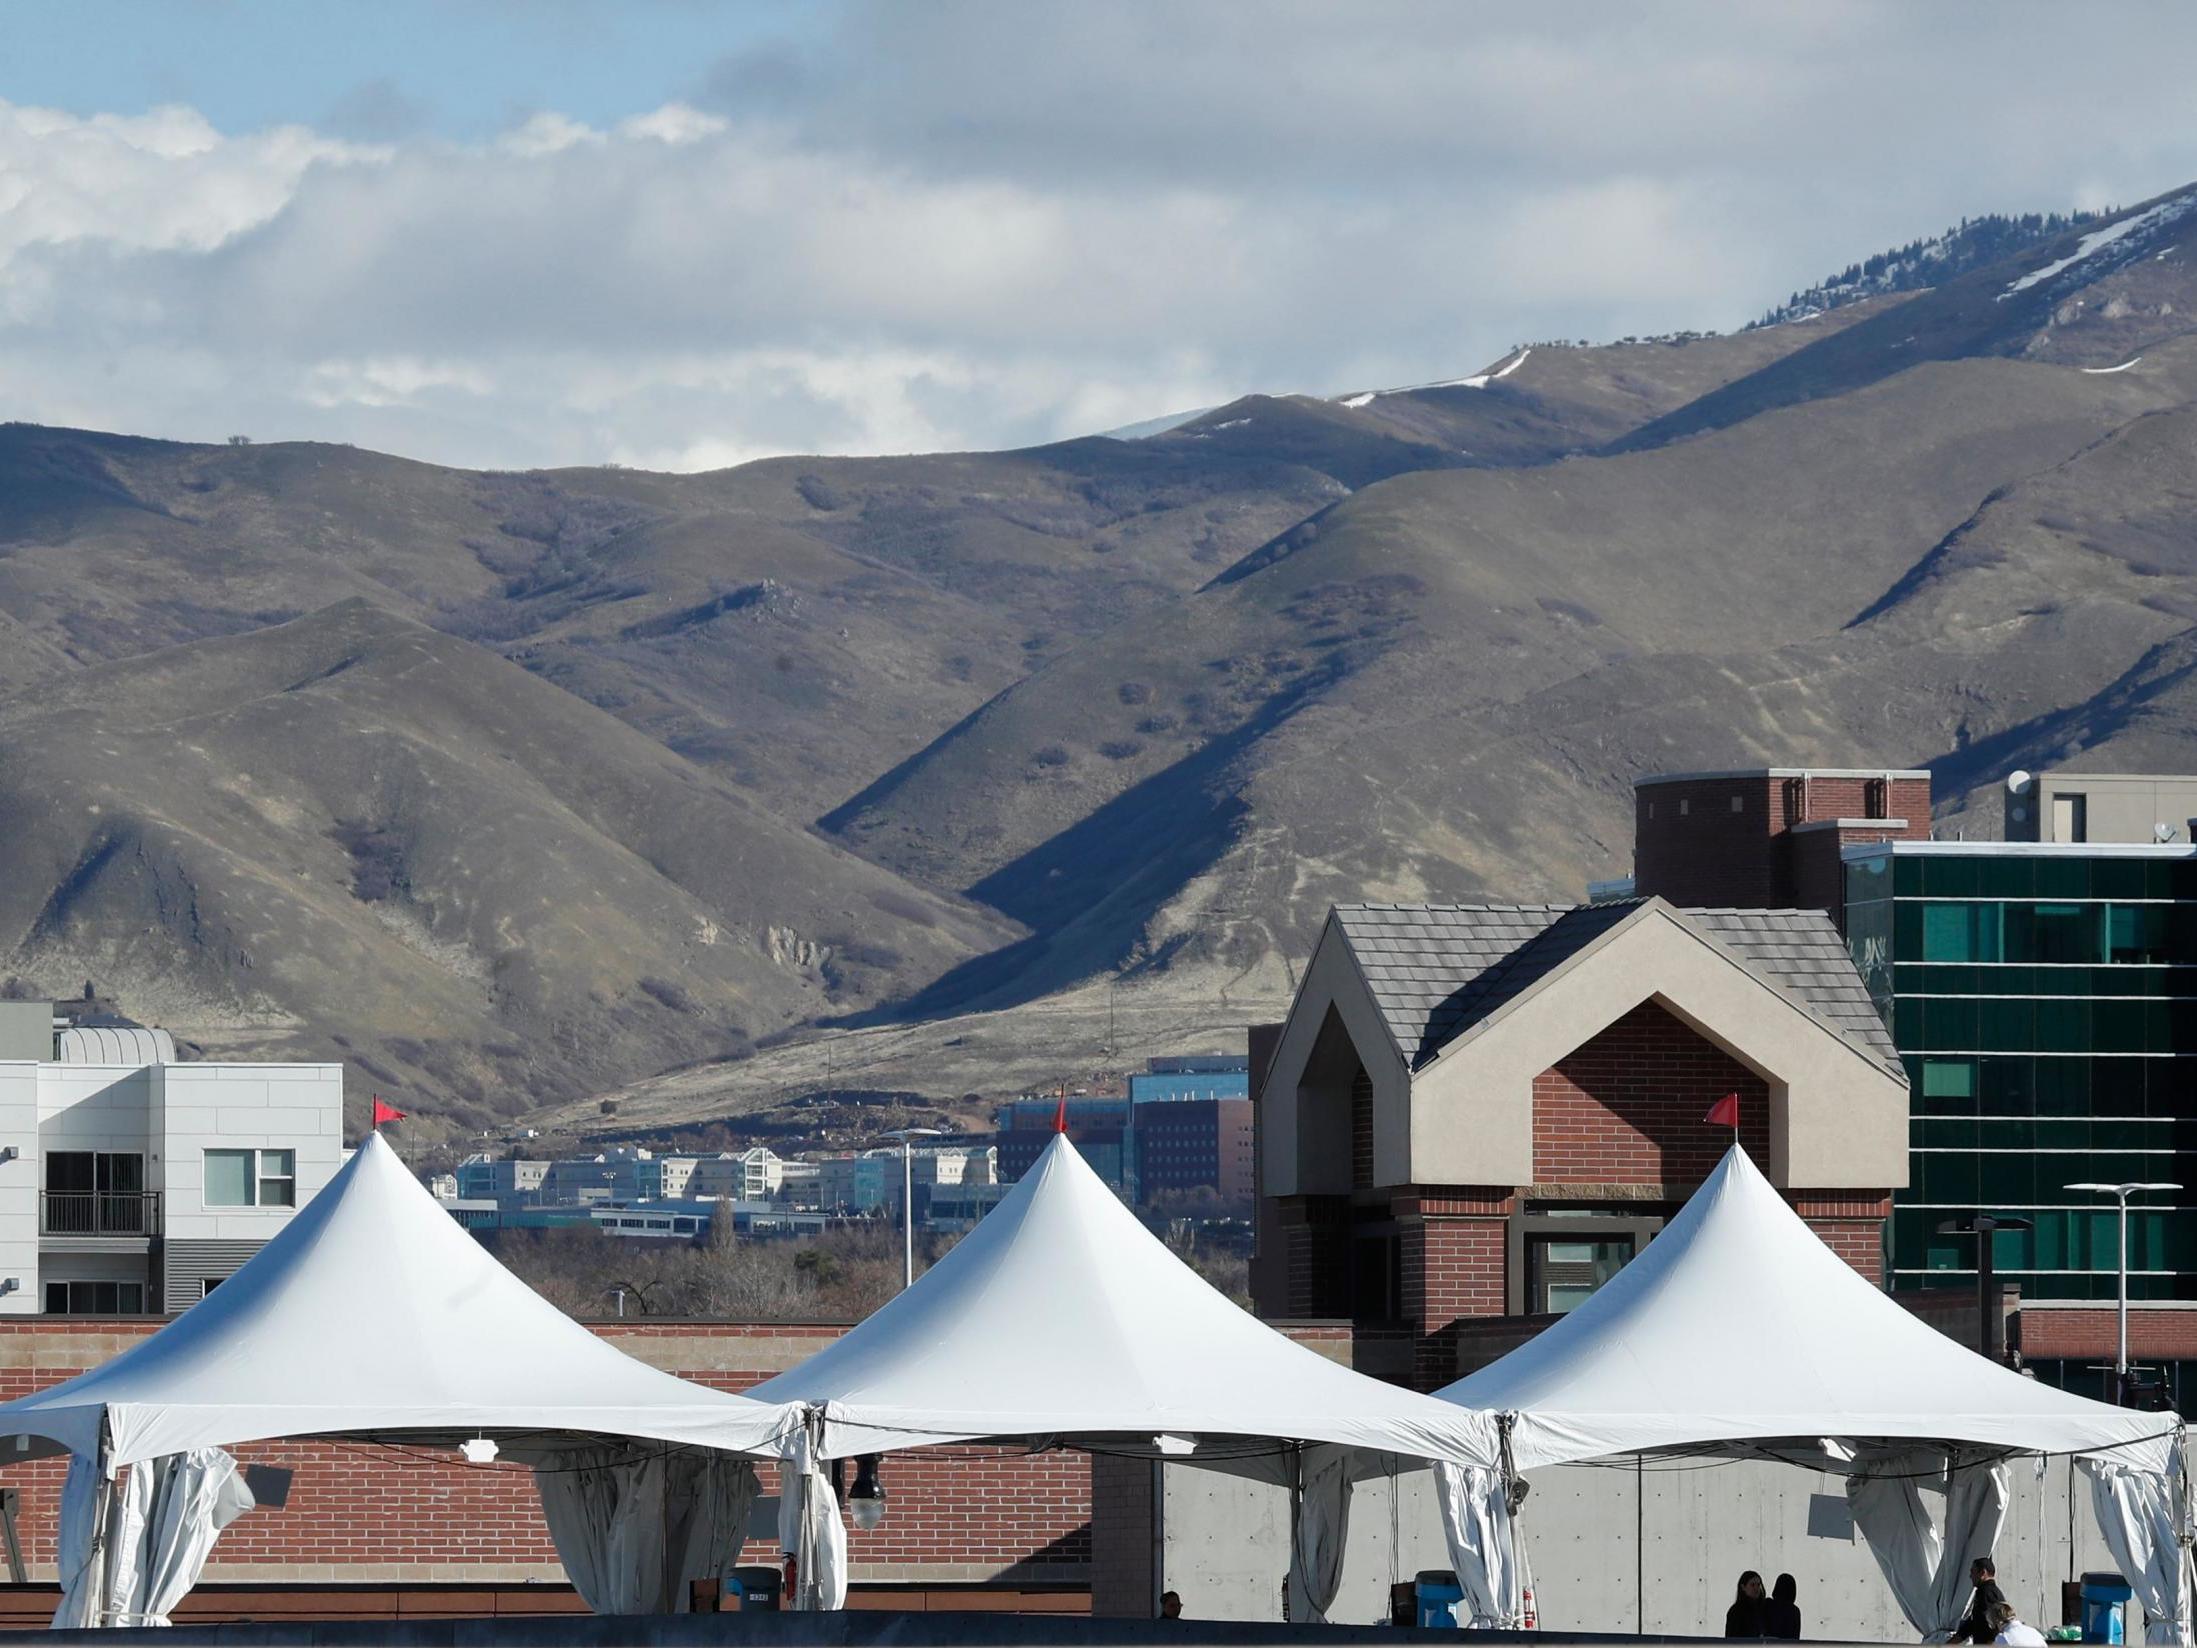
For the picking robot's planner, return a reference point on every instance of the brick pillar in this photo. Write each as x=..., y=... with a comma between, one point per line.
x=1312, y=1235
x=1454, y=1265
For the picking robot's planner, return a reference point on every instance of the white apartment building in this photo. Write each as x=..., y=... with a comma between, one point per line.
x=131, y=1183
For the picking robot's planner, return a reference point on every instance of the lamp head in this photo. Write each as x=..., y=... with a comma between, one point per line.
x=866, y=1499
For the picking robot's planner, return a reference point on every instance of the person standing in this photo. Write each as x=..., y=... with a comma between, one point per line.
x=1976, y=1626
x=2011, y=1632
x=1781, y=1614
x=1744, y=1617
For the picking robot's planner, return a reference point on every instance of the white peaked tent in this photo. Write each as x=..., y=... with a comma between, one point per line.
x=373, y=1315
x=1738, y=1332
x=1061, y=1319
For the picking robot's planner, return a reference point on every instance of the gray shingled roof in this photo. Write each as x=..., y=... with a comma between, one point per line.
x=1436, y=970
x=1802, y=953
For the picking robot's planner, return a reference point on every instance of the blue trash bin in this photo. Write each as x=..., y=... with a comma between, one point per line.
x=2105, y=1608
x=1439, y=1593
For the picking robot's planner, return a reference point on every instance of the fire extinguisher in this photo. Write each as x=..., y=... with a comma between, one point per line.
x=793, y=1574
x=1528, y=1619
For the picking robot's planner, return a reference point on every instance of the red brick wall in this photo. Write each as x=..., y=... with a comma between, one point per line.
x=358, y=1511
x=2155, y=1334
x=1626, y=1107
x=1851, y=1227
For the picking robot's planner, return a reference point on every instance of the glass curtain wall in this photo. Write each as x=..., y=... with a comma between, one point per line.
x=2045, y=1006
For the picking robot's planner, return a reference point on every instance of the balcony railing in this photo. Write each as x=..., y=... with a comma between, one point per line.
x=98, y=1213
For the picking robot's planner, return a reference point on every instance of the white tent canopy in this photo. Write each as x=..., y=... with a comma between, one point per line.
x=373, y=1313
x=1061, y=1319
x=1737, y=1331
x=1061, y=1316
x=1737, y=1326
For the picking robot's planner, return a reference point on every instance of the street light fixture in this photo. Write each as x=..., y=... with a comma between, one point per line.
x=2121, y=1193
x=907, y=1137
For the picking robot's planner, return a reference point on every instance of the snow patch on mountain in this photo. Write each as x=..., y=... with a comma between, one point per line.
x=1479, y=380
x=2167, y=211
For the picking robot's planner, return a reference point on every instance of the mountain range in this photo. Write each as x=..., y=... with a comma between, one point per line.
x=520, y=790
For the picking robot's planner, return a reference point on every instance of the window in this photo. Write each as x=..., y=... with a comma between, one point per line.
x=95, y=1298
x=1566, y=1274
x=251, y=1178
x=207, y=1284
x=1960, y=932
x=278, y=1178
x=1948, y=1079
x=1876, y=799
x=2136, y=933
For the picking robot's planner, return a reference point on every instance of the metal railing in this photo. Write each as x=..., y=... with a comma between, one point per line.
x=98, y=1213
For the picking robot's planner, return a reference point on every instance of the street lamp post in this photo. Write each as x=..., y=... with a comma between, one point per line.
x=1990, y=1324
x=2121, y=1193
x=907, y=1137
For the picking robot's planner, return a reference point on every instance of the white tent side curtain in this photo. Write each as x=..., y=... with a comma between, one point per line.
x=161, y=1518
x=2145, y=1517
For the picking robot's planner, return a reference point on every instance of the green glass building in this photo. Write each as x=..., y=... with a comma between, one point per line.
x=2044, y=1000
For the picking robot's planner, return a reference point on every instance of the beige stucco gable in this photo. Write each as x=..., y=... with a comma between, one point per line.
x=1838, y=1118
x=1304, y=1121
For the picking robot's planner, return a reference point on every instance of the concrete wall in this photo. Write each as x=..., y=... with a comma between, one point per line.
x=26, y=1030
x=1224, y=1546
x=19, y=1186
x=204, y=1107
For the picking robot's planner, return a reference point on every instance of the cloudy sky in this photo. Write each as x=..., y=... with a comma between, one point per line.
x=682, y=235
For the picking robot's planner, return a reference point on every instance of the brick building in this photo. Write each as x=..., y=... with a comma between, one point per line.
x=1194, y=1144
x=1768, y=838
x=1485, y=1110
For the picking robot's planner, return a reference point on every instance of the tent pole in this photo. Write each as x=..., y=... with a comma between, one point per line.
x=1640, y=1544
x=102, y=1525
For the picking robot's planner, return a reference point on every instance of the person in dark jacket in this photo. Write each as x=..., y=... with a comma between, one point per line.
x=1744, y=1617
x=1781, y=1614
x=1976, y=1625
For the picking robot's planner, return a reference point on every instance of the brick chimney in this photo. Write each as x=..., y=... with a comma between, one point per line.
x=1767, y=837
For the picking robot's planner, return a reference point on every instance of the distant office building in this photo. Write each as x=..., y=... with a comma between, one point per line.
x=501, y=1180
x=138, y=1182
x=668, y=1220
x=865, y=1183
x=751, y=1175
x=483, y=1214
x=1195, y=1077
x=1195, y=1144
x=801, y=1185
x=1102, y=1130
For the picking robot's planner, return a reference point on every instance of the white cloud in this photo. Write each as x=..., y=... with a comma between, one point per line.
x=930, y=231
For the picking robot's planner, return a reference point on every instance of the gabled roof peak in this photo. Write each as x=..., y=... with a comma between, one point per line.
x=1437, y=970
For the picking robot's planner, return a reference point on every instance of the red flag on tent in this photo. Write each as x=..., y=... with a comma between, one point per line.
x=385, y=1112
x=1060, y=1115
x=1725, y=1112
